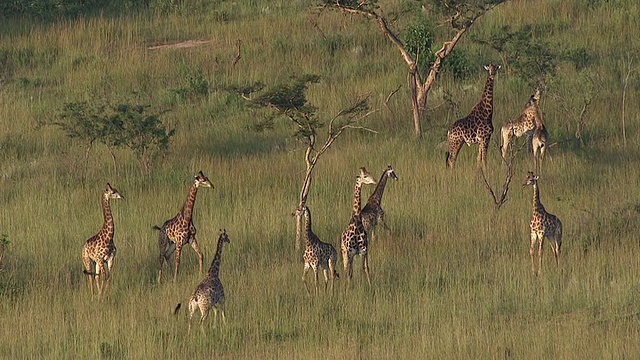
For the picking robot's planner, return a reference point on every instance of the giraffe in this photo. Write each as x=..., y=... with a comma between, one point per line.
x=210, y=292
x=528, y=121
x=317, y=254
x=354, y=239
x=475, y=127
x=100, y=249
x=372, y=212
x=539, y=145
x=543, y=224
x=179, y=230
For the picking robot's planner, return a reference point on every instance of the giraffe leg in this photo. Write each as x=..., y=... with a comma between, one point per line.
x=454, y=148
x=365, y=266
x=204, y=310
x=221, y=309
x=109, y=267
x=315, y=278
x=159, y=278
x=332, y=270
x=345, y=261
x=100, y=277
x=540, y=242
x=482, y=151
x=556, y=242
x=534, y=240
x=507, y=134
x=194, y=245
x=556, y=250
x=325, y=273
x=193, y=306
x=304, y=277
x=92, y=277
x=89, y=268
x=166, y=248
x=177, y=265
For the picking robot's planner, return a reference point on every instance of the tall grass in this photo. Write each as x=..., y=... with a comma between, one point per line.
x=451, y=278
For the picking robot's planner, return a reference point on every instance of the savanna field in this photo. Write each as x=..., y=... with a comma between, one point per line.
x=451, y=277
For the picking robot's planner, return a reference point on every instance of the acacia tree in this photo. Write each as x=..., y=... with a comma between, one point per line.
x=289, y=100
x=115, y=126
x=459, y=17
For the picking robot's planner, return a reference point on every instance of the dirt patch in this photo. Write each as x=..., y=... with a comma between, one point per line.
x=180, y=45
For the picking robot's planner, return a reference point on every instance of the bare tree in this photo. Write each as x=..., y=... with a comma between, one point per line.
x=500, y=199
x=586, y=88
x=461, y=17
x=289, y=100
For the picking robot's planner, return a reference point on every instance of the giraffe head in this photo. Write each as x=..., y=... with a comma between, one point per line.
x=202, y=181
x=492, y=69
x=531, y=179
x=535, y=98
x=364, y=177
x=111, y=193
x=223, y=236
x=391, y=173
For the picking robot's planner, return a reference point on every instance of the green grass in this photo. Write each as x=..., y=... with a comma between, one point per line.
x=451, y=279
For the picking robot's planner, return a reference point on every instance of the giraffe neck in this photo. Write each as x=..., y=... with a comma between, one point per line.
x=537, y=205
x=214, y=270
x=187, y=208
x=107, y=227
x=376, y=198
x=538, y=117
x=356, y=197
x=309, y=238
x=485, y=106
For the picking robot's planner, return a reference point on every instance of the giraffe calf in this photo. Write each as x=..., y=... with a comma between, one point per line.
x=99, y=249
x=543, y=224
x=210, y=292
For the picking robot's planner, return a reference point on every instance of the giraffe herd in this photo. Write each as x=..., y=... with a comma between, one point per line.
x=477, y=127
x=99, y=251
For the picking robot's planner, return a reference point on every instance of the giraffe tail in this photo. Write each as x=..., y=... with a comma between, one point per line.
x=156, y=227
x=87, y=272
x=447, y=158
x=177, y=309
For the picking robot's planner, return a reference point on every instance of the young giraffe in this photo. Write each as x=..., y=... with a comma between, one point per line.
x=179, y=230
x=543, y=224
x=372, y=212
x=475, y=127
x=539, y=145
x=210, y=292
x=317, y=254
x=354, y=239
x=100, y=249
x=528, y=121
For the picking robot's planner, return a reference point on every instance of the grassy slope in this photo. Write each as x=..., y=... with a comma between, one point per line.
x=451, y=279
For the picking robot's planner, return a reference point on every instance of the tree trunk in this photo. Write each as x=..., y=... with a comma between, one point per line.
x=459, y=22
